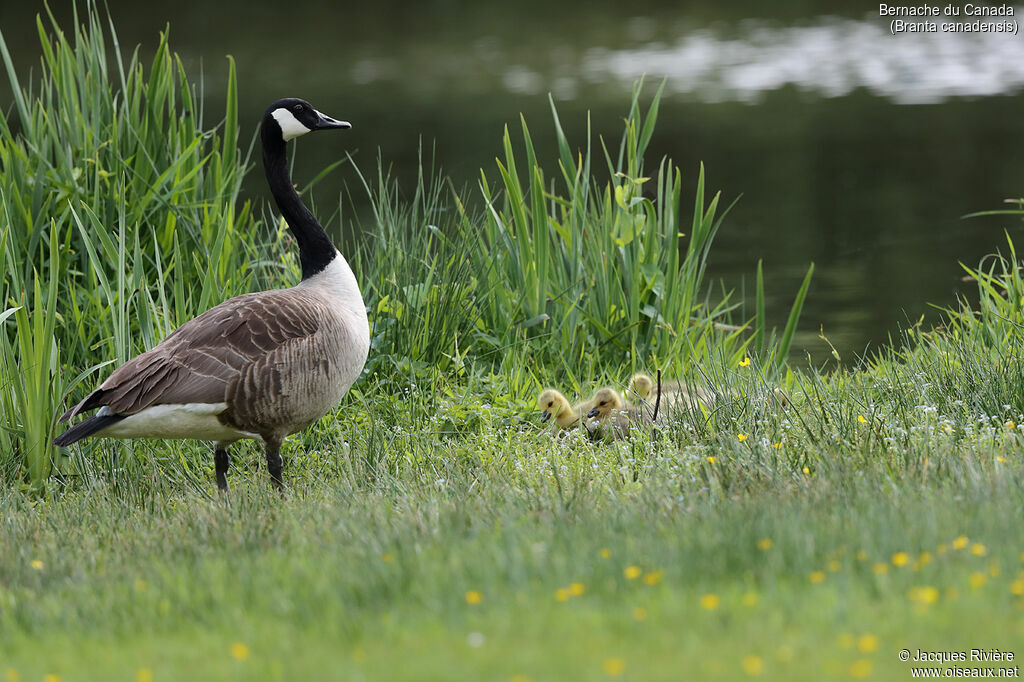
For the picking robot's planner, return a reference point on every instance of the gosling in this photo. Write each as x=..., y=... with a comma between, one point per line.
x=613, y=414
x=673, y=394
x=553, y=404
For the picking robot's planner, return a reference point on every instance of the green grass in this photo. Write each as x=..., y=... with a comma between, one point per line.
x=432, y=528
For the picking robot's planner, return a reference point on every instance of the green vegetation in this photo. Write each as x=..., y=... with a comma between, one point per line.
x=432, y=529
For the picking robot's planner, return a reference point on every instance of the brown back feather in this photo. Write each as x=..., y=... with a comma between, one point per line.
x=200, y=361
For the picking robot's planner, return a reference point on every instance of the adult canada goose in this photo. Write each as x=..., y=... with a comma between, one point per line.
x=262, y=365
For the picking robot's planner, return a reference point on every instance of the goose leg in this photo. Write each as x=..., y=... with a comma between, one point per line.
x=275, y=463
x=221, y=462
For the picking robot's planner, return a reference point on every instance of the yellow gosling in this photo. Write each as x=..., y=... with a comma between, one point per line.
x=553, y=404
x=611, y=412
x=641, y=385
x=674, y=395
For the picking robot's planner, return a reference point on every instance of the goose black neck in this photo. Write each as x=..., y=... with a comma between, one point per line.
x=316, y=249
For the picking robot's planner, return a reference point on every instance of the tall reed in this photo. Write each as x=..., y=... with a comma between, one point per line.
x=119, y=208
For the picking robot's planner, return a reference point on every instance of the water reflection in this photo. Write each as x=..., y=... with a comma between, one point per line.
x=830, y=58
x=802, y=114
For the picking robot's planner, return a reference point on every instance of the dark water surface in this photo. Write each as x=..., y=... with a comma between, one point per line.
x=852, y=148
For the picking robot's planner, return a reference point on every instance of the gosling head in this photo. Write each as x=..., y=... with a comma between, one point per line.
x=291, y=117
x=642, y=385
x=553, y=404
x=603, y=402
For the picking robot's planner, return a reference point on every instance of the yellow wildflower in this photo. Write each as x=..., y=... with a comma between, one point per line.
x=764, y=544
x=880, y=568
x=639, y=613
x=861, y=668
x=11, y=675
x=753, y=665
x=978, y=549
x=993, y=570
x=144, y=675
x=777, y=446
x=51, y=678
x=563, y=594
x=240, y=651
x=710, y=602
x=37, y=564
x=978, y=579
x=861, y=419
x=474, y=597
x=653, y=578
x=605, y=553
x=941, y=549
x=750, y=599
x=807, y=471
x=741, y=436
x=817, y=577
x=745, y=362
x=1017, y=587
x=387, y=557
x=926, y=595
x=632, y=572
x=960, y=542
x=867, y=643
x=1000, y=459
x=576, y=589
x=520, y=678
x=614, y=666
x=140, y=585
x=711, y=460
x=925, y=558
x=900, y=559
x=861, y=555
x=834, y=566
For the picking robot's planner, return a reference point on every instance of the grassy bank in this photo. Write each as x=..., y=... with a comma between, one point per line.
x=433, y=529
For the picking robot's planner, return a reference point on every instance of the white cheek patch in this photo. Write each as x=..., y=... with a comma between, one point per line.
x=290, y=126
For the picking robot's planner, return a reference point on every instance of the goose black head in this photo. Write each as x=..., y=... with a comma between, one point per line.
x=295, y=117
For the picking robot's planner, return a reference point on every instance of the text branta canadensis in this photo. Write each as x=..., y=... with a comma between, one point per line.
x=262, y=365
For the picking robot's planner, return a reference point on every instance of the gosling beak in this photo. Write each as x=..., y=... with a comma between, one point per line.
x=593, y=413
x=325, y=122
x=544, y=416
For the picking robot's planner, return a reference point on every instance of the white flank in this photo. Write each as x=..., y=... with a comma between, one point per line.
x=339, y=285
x=189, y=420
x=290, y=126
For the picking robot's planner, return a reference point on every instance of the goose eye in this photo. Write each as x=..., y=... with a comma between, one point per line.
x=551, y=403
x=297, y=107
x=602, y=403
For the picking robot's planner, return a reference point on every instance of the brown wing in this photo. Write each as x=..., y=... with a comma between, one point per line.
x=202, y=358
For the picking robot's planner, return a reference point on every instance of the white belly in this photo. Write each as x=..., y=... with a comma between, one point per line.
x=190, y=420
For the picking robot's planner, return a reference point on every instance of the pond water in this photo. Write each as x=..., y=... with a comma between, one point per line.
x=852, y=148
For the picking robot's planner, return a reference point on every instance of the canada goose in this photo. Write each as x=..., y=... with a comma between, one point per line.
x=642, y=385
x=553, y=404
x=262, y=365
x=612, y=412
x=672, y=395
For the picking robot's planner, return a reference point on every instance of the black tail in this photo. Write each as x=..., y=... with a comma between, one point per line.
x=84, y=429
